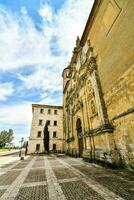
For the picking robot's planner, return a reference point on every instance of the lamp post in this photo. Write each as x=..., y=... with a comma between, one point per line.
x=21, y=143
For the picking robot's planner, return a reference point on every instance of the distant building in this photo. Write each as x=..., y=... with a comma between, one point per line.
x=98, y=87
x=54, y=116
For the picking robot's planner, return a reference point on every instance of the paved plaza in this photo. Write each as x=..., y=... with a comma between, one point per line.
x=61, y=178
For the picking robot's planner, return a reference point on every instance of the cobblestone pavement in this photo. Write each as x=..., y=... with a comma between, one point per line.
x=62, y=178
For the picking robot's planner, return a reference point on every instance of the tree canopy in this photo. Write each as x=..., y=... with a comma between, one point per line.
x=6, y=137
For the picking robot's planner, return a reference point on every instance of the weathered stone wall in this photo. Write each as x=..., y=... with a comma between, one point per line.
x=100, y=91
x=111, y=35
x=120, y=106
x=35, y=127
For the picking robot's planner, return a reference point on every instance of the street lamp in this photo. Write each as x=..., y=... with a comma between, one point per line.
x=21, y=143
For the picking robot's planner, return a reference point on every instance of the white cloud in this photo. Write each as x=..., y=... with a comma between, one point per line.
x=21, y=114
x=16, y=117
x=45, y=79
x=16, y=114
x=70, y=22
x=22, y=44
x=6, y=90
x=35, y=47
x=46, y=13
x=51, y=101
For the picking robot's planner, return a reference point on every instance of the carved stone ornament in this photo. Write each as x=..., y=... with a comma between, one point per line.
x=92, y=65
x=93, y=107
x=82, y=80
x=84, y=53
x=77, y=41
x=83, y=57
x=77, y=49
x=80, y=135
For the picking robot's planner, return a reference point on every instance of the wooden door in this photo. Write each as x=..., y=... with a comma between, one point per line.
x=80, y=147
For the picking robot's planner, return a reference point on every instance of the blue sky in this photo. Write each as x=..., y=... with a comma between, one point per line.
x=36, y=42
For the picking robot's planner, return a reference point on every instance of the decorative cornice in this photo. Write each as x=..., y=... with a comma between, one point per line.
x=102, y=129
x=127, y=112
x=46, y=106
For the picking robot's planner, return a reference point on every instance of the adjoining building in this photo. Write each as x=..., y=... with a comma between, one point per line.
x=98, y=87
x=54, y=116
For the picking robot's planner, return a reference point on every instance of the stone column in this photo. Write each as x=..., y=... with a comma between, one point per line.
x=98, y=91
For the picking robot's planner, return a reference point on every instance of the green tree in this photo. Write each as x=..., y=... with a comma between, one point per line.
x=6, y=137
x=46, y=137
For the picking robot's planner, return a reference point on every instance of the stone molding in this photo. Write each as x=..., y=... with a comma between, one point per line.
x=104, y=128
x=127, y=112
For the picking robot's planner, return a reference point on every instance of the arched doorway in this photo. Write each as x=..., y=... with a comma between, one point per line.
x=80, y=136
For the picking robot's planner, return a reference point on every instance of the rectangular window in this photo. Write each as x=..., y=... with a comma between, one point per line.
x=39, y=134
x=54, y=146
x=41, y=110
x=55, y=112
x=40, y=122
x=49, y=111
x=37, y=147
x=54, y=134
x=48, y=122
x=55, y=123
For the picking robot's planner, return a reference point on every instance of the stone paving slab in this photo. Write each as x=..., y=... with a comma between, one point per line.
x=9, y=177
x=119, y=187
x=54, y=162
x=21, y=165
x=35, y=175
x=63, y=173
x=52, y=158
x=63, y=178
x=38, y=164
x=2, y=192
x=72, y=161
x=78, y=190
x=7, y=165
x=39, y=158
x=33, y=193
x=91, y=171
x=114, y=183
x=34, y=184
x=57, y=166
x=13, y=189
x=69, y=180
x=29, y=158
x=3, y=187
x=127, y=175
x=54, y=190
x=103, y=191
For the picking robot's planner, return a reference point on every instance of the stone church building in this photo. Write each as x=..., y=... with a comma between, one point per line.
x=54, y=116
x=98, y=87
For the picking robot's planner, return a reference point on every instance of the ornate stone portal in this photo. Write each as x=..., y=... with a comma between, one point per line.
x=98, y=87
x=84, y=101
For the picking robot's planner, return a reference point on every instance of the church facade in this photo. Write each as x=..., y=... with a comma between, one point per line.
x=98, y=87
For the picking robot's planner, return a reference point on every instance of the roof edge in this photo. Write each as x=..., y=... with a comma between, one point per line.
x=46, y=106
x=90, y=20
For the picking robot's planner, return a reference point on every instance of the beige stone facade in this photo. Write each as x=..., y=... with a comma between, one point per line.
x=98, y=87
x=42, y=114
